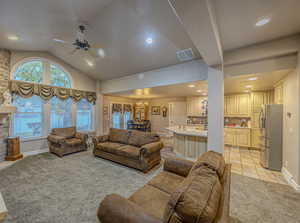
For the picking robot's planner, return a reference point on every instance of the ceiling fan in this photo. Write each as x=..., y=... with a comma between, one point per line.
x=82, y=44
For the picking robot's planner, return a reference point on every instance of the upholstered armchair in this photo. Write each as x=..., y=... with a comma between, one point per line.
x=63, y=141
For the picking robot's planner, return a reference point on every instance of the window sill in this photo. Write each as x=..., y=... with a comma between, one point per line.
x=33, y=139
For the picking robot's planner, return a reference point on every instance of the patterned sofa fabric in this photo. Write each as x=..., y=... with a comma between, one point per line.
x=192, y=194
x=63, y=141
x=135, y=149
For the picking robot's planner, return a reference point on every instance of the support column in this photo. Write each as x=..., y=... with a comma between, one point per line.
x=215, y=110
x=99, y=110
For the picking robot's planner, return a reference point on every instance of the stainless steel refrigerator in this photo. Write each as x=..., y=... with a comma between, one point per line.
x=271, y=124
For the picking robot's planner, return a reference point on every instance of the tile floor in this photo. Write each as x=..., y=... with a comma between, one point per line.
x=246, y=162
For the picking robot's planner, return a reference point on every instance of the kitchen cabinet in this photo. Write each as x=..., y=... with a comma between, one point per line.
x=255, y=120
x=237, y=137
x=256, y=138
x=195, y=106
x=237, y=105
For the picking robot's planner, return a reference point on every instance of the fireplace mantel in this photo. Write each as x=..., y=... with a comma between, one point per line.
x=7, y=109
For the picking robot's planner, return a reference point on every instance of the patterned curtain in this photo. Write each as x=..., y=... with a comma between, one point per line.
x=46, y=92
x=127, y=108
x=116, y=108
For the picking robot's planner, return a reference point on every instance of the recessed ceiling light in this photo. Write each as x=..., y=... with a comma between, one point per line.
x=13, y=37
x=149, y=40
x=90, y=63
x=263, y=21
x=199, y=91
x=252, y=78
x=248, y=86
x=191, y=85
x=204, y=93
x=247, y=91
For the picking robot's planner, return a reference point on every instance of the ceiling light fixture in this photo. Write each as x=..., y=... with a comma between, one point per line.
x=101, y=53
x=252, y=79
x=199, y=91
x=248, y=86
x=247, y=91
x=13, y=37
x=263, y=21
x=149, y=40
x=191, y=85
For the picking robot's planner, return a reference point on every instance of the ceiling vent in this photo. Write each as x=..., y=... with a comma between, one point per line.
x=185, y=55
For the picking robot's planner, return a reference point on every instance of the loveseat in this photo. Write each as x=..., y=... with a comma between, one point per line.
x=183, y=192
x=140, y=150
x=63, y=141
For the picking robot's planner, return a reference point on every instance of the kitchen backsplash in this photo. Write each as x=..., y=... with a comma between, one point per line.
x=240, y=122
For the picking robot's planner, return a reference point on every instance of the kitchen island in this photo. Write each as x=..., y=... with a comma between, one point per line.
x=189, y=142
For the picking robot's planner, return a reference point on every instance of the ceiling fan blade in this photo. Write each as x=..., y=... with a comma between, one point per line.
x=72, y=53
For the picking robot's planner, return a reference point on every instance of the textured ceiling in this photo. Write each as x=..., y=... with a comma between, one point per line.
x=236, y=21
x=119, y=26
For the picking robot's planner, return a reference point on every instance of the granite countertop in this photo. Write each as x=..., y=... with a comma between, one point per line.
x=188, y=131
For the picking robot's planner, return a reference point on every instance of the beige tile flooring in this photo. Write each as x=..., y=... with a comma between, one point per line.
x=246, y=162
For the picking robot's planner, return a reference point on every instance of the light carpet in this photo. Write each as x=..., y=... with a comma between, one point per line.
x=47, y=189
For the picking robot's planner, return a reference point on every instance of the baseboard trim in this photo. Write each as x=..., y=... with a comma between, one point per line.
x=35, y=152
x=290, y=179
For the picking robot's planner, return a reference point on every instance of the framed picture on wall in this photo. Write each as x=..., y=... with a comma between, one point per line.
x=155, y=110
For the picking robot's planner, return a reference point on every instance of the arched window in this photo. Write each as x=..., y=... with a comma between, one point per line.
x=43, y=71
x=31, y=71
x=28, y=121
x=59, y=77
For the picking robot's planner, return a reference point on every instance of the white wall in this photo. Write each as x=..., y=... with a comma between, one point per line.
x=291, y=131
x=80, y=81
x=158, y=122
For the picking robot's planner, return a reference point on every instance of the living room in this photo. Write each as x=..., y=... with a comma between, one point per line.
x=149, y=111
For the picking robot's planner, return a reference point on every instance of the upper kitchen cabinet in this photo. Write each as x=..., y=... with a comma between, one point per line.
x=237, y=105
x=195, y=106
x=260, y=98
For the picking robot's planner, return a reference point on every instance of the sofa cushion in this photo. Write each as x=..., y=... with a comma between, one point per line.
x=65, y=132
x=152, y=200
x=119, y=135
x=138, y=138
x=129, y=152
x=110, y=147
x=73, y=142
x=212, y=160
x=166, y=181
x=196, y=199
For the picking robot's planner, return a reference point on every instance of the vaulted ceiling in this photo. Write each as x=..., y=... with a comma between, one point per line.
x=121, y=27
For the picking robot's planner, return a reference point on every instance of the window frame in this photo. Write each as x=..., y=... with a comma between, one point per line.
x=93, y=118
x=46, y=106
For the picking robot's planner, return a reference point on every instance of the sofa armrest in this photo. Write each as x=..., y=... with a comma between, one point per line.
x=98, y=139
x=82, y=136
x=177, y=165
x=115, y=208
x=150, y=148
x=56, y=139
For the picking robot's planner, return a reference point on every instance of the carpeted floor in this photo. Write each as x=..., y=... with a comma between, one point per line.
x=48, y=189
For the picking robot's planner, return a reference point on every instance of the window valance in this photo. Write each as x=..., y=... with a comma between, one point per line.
x=46, y=92
x=127, y=108
x=116, y=108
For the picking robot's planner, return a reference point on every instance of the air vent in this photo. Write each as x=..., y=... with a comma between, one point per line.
x=185, y=55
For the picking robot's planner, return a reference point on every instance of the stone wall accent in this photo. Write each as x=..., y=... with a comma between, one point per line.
x=4, y=78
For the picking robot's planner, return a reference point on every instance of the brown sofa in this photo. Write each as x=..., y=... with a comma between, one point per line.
x=63, y=141
x=184, y=191
x=140, y=150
